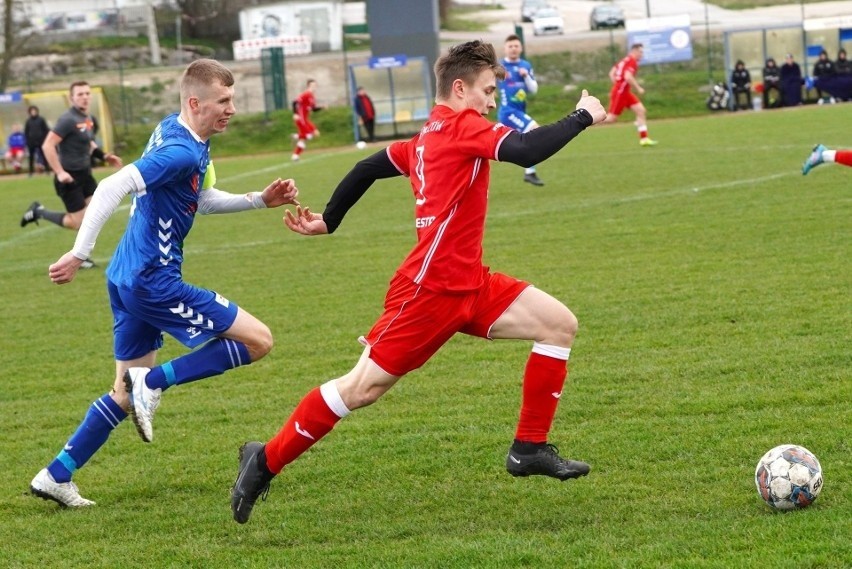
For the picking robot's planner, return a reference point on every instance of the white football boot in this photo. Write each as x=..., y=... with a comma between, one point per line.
x=143, y=401
x=65, y=494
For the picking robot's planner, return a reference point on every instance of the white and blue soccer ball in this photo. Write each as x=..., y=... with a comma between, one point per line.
x=788, y=477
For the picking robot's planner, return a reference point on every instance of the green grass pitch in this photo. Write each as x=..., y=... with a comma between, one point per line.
x=712, y=284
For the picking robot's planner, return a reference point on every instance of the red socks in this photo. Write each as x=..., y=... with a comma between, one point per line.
x=311, y=420
x=543, y=380
x=843, y=157
x=321, y=409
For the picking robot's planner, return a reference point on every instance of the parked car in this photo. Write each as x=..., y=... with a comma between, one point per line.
x=548, y=20
x=606, y=16
x=530, y=7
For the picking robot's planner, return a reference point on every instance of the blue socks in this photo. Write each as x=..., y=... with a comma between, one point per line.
x=104, y=415
x=213, y=358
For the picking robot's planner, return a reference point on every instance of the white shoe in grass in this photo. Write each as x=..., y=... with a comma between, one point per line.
x=65, y=494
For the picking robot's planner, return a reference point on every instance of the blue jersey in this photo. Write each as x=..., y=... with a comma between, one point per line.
x=513, y=90
x=17, y=140
x=172, y=168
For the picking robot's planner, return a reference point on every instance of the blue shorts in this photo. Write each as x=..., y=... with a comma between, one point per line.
x=513, y=118
x=190, y=314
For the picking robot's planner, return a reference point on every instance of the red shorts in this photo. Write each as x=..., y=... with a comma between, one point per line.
x=620, y=101
x=306, y=129
x=417, y=322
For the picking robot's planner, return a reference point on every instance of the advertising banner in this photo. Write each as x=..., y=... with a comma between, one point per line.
x=666, y=40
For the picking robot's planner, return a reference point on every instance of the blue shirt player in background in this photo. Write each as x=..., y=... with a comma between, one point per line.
x=170, y=183
x=514, y=89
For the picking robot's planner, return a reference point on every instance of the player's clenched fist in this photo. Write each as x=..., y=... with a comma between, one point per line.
x=592, y=105
x=65, y=269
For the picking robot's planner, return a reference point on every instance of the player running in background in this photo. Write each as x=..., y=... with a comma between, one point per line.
x=823, y=155
x=514, y=89
x=303, y=106
x=68, y=149
x=623, y=77
x=170, y=183
x=442, y=287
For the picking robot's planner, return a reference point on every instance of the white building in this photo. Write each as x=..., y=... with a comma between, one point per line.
x=74, y=15
x=319, y=20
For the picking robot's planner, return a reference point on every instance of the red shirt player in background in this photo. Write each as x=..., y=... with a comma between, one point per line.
x=443, y=287
x=302, y=107
x=623, y=76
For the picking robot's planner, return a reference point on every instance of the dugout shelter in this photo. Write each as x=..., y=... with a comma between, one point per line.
x=51, y=104
x=401, y=91
x=754, y=46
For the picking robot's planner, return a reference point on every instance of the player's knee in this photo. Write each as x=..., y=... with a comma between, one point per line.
x=72, y=222
x=364, y=395
x=566, y=328
x=358, y=390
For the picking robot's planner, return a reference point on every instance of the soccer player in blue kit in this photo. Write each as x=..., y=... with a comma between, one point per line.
x=514, y=89
x=170, y=183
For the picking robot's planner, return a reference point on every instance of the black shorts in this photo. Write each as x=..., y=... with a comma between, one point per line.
x=74, y=195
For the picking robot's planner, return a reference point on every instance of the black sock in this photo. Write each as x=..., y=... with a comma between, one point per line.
x=52, y=216
x=523, y=447
x=261, y=464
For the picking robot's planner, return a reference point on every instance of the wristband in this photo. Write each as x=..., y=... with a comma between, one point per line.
x=583, y=116
x=256, y=200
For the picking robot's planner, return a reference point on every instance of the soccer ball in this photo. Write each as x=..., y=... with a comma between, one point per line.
x=788, y=477
x=360, y=145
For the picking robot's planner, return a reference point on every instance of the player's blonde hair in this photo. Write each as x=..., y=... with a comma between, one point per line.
x=203, y=73
x=465, y=61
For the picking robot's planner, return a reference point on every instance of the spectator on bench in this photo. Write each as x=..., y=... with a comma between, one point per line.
x=741, y=86
x=771, y=85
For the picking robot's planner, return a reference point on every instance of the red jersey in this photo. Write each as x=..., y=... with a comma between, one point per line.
x=448, y=165
x=621, y=68
x=305, y=103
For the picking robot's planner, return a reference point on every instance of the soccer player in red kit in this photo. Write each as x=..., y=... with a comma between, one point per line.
x=623, y=76
x=304, y=104
x=442, y=287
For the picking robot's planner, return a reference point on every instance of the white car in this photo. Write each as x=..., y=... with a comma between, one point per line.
x=530, y=7
x=548, y=20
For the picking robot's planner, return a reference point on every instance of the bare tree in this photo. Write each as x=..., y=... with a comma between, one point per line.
x=444, y=9
x=15, y=28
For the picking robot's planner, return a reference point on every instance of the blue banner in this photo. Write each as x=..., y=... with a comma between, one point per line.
x=388, y=61
x=13, y=97
x=666, y=40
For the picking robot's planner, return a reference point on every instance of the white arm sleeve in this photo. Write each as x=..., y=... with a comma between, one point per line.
x=104, y=202
x=213, y=200
x=531, y=84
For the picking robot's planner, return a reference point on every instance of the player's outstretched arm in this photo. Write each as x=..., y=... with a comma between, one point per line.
x=305, y=222
x=355, y=184
x=533, y=147
x=278, y=193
